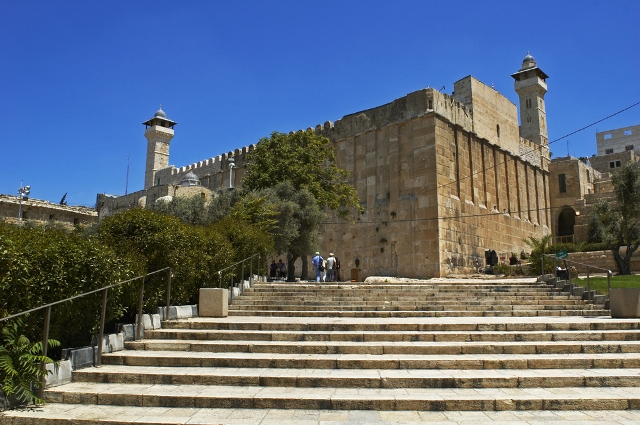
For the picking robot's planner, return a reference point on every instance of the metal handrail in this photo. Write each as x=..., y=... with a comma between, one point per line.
x=105, y=289
x=588, y=266
x=231, y=283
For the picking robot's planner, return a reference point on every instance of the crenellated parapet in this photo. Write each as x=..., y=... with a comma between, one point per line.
x=205, y=169
x=535, y=154
x=401, y=110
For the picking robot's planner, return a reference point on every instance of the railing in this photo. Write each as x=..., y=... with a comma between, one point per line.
x=569, y=262
x=241, y=263
x=104, y=290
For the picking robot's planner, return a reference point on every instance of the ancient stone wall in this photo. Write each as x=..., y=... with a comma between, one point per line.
x=435, y=194
x=495, y=118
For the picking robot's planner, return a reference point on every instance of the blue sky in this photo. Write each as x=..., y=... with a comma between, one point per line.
x=77, y=79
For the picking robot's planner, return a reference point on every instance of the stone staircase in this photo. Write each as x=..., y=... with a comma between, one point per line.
x=435, y=346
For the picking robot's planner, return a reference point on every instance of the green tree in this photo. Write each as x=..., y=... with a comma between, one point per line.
x=619, y=221
x=298, y=216
x=307, y=161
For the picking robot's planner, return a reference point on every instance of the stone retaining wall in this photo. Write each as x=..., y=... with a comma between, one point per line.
x=602, y=259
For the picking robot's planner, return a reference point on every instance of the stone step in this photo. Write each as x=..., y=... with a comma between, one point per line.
x=390, y=347
x=332, y=324
x=364, y=361
x=81, y=414
x=259, y=397
x=413, y=313
x=405, y=307
x=360, y=378
x=354, y=336
x=407, y=302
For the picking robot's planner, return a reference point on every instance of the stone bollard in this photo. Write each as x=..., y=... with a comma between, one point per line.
x=213, y=302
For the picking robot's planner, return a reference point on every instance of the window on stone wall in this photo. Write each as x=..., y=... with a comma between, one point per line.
x=628, y=132
x=618, y=164
x=612, y=164
x=498, y=129
x=608, y=151
x=431, y=104
x=527, y=102
x=76, y=221
x=562, y=180
x=50, y=216
x=628, y=148
x=607, y=136
x=588, y=177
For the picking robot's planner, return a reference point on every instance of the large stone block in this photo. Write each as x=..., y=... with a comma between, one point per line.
x=625, y=302
x=213, y=302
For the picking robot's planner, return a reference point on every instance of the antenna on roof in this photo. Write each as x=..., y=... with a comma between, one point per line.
x=126, y=187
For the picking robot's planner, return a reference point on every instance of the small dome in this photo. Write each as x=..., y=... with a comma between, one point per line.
x=190, y=179
x=160, y=113
x=528, y=61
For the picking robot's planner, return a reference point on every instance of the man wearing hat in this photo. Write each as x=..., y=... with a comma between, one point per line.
x=331, y=268
x=317, y=261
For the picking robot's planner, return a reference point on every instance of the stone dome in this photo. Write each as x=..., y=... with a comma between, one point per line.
x=160, y=113
x=190, y=179
x=528, y=61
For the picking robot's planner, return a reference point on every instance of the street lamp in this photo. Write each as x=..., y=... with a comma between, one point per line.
x=232, y=164
x=23, y=192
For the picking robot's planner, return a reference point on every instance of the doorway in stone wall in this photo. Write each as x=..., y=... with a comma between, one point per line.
x=566, y=222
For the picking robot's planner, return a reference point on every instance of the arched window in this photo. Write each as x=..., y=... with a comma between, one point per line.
x=498, y=129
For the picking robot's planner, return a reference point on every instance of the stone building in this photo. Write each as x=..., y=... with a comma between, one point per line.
x=44, y=211
x=577, y=184
x=572, y=182
x=441, y=177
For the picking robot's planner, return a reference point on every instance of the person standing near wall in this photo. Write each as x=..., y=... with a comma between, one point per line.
x=331, y=268
x=317, y=261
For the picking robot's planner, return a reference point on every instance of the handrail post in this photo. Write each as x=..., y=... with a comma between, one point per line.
x=251, y=272
x=45, y=348
x=139, y=327
x=609, y=284
x=168, y=292
x=103, y=313
x=231, y=287
x=589, y=286
x=259, y=280
x=569, y=271
x=242, y=279
x=555, y=267
x=220, y=279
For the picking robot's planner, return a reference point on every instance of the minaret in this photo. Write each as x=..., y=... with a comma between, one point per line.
x=531, y=87
x=159, y=132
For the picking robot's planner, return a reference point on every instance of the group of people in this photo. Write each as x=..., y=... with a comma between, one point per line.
x=326, y=270
x=278, y=270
